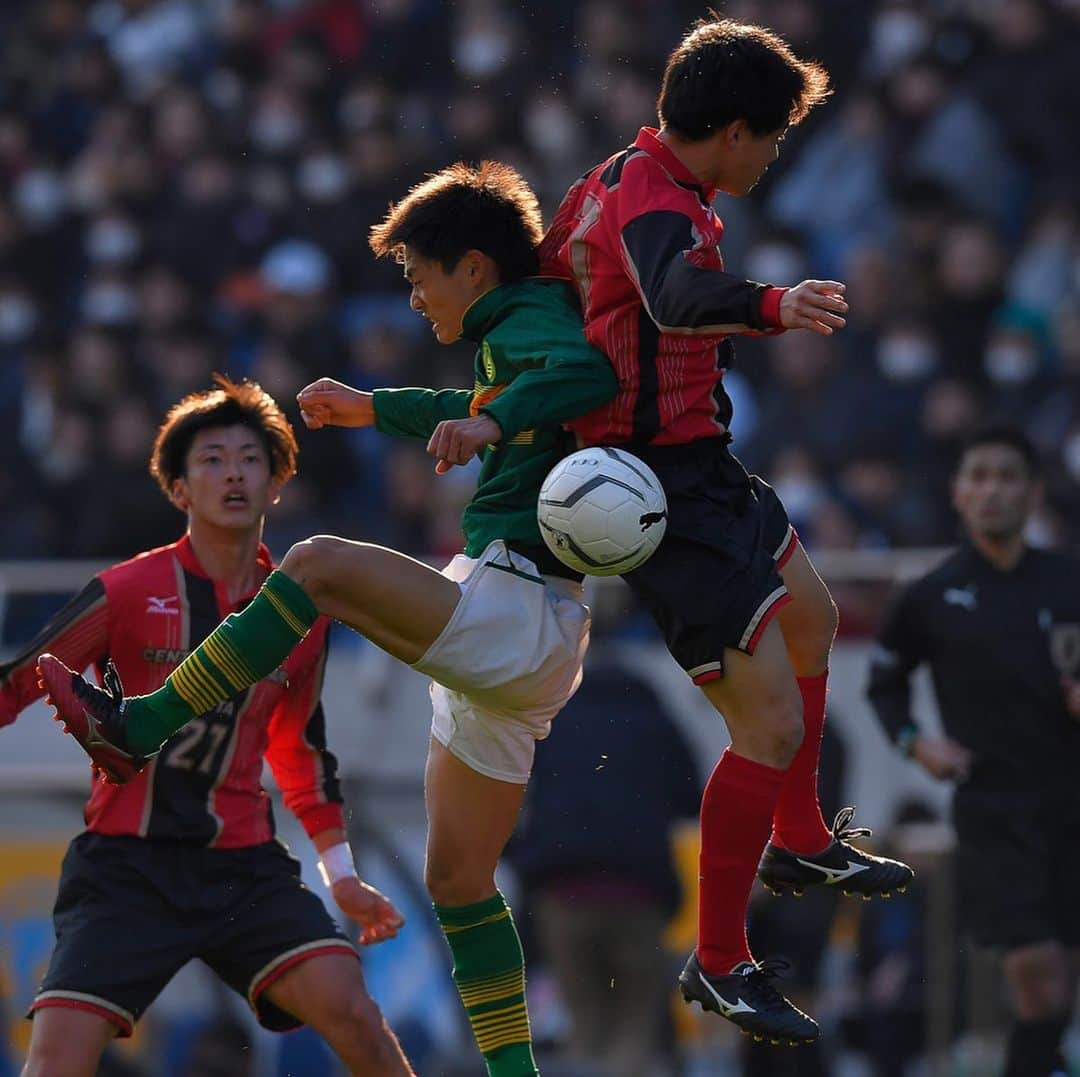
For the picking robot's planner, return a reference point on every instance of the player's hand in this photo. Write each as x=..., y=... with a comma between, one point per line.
x=376, y=915
x=327, y=402
x=1071, y=687
x=941, y=758
x=817, y=305
x=457, y=441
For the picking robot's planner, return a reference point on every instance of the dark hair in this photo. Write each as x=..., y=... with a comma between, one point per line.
x=243, y=403
x=1008, y=435
x=725, y=70
x=488, y=208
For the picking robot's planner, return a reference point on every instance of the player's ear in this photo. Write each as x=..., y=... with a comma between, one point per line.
x=735, y=132
x=179, y=495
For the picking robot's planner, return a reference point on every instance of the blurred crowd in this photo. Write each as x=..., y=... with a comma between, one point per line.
x=186, y=186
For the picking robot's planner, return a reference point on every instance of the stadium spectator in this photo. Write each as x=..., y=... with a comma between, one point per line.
x=998, y=625
x=215, y=132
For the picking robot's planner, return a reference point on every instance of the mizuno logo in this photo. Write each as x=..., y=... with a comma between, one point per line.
x=162, y=605
x=727, y=1008
x=835, y=875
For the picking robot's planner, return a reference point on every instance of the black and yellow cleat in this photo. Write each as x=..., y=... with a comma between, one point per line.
x=747, y=998
x=841, y=864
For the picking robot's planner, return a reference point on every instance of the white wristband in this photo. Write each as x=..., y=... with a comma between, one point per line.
x=336, y=863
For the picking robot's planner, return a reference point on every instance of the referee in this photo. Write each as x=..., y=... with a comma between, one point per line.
x=999, y=626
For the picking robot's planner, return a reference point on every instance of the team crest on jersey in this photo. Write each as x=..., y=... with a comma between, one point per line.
x=488, y=361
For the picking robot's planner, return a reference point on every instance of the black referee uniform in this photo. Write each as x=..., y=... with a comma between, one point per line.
x=997, y=644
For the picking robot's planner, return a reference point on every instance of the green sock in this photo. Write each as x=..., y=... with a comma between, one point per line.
x=489, y=970
x=243, y=649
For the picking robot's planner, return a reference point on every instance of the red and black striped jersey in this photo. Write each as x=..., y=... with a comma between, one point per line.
x=639, y=237
x=204, y=787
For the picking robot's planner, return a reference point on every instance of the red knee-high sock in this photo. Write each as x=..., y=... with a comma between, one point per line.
x=797, y=823
x=736, y=813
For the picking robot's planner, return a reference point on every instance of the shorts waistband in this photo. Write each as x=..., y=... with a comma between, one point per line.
x=687, y=450
x=547, y=563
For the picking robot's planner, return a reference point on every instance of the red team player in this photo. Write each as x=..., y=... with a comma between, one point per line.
x=639, y=236
x=194, y=832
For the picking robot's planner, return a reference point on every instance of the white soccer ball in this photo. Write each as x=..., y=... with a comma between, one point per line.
x=602, y=511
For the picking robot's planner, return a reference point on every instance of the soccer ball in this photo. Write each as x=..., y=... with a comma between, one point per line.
x=602, y=511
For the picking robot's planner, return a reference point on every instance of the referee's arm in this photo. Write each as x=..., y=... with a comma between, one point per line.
x=900, y=648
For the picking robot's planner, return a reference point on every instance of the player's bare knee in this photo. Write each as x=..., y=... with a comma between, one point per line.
x=809, y=632
x=449, y=883
x=311, y=563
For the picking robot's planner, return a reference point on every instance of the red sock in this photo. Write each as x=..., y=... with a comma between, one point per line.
x=797, y=823
x=736, y=812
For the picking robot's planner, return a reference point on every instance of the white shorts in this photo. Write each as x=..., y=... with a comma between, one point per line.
x=506, y=662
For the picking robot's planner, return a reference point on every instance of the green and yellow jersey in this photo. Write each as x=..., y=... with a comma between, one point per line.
x=533, y=371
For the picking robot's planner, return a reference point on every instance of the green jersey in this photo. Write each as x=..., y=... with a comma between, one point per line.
x=533, y=371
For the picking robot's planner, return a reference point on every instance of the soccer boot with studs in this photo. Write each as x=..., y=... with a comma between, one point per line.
x=747, y=998
x=840, y=864
x=93, y=716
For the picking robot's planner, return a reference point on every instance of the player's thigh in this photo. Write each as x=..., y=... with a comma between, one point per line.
x=67, y=1042
x=325, y=992
x=470, y=820
x=760, y=701
x=266, y=924
x=397, y=602
x=118, y=940
x=809, y=621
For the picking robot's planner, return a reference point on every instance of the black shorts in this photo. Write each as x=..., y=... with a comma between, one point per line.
x=130, y=913
x=1016, y=866
x=714, y=581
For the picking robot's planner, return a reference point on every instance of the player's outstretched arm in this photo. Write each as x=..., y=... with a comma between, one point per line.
x=817, y=305
x=327, y=402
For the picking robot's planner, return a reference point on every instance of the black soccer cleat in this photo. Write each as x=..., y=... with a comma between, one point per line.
x=93, y=716
x=747, y=998
x=840, y=864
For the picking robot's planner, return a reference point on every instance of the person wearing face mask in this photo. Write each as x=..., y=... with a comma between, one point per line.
x=998, y=624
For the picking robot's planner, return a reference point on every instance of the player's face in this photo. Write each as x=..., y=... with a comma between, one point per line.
x=993, y=492
x=228, y=480
x=439, y=296
x=748, y=157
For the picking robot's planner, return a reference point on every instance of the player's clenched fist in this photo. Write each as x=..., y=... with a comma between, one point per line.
x=818, y=305
x=327, y=402
x=376, y=915
x=457, y=441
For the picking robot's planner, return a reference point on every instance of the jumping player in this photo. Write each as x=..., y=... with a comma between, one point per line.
x=194, y=831
x=741, y=607
x=502, y=631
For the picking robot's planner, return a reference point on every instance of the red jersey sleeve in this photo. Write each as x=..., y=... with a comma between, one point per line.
x=302, y=764
x=78, y=635
x=668, y=239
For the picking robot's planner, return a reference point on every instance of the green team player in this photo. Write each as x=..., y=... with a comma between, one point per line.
x=501, y=631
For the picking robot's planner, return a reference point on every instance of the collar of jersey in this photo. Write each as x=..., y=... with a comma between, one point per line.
x=185, y=553
x=484, y=310
x=648, y=139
